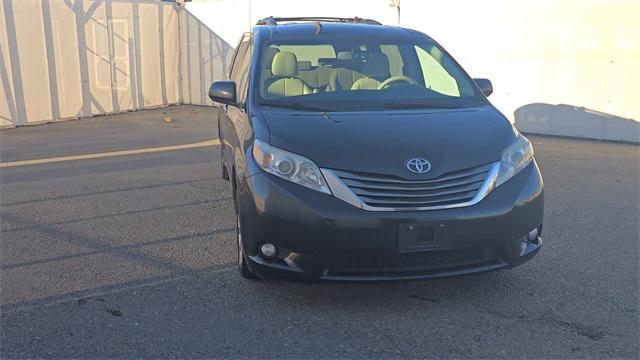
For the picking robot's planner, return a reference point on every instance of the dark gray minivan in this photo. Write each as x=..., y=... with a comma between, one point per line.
x=359, y=151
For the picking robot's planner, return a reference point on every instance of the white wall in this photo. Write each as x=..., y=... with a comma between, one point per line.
x=204, y=58
x=74, y=58
x=231, y=18
x=567, y=67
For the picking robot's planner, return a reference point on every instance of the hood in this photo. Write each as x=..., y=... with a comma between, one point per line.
x=381, y=142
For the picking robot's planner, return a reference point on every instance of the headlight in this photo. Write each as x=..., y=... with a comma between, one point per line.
x=514, y=158
x=288, y=166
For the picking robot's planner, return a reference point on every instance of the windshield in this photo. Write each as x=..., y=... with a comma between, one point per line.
x=352, y=74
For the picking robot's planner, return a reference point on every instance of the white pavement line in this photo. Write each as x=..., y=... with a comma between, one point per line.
x=213, y=142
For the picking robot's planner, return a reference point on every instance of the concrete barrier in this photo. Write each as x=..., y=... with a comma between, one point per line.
x=567, y=120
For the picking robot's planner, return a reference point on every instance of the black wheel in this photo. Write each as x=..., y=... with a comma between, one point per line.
x=225, y=173
x=242, y=259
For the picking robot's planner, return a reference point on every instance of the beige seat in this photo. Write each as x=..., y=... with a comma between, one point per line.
x=343, y=79
x=266, y=69
x=375, y=70
x=316, y=77
x=285, y=82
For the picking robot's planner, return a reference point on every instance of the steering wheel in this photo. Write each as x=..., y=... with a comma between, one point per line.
x=385, y=84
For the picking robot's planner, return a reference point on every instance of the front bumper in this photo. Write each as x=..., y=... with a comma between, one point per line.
x=320, y=237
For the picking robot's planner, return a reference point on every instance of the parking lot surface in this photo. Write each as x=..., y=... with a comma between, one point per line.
x=134, y=256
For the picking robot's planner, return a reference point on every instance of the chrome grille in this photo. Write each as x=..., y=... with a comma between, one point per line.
x=453, y=189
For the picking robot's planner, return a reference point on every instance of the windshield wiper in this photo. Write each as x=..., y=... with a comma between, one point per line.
x=296, y=106
x=418, y=105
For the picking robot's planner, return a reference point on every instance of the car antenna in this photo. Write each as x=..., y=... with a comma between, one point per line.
x=318, y=27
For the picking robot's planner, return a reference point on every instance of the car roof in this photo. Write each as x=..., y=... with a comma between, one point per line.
x=297, y=30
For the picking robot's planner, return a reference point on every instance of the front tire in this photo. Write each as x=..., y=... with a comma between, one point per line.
x=243, y=268
x=225, y=173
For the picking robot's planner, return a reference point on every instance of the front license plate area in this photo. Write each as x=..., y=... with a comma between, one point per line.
x=417, y=237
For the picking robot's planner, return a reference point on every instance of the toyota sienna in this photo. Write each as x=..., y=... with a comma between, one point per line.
x=358, y=151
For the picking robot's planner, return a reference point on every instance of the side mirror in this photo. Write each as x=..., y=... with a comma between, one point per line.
x=223, y=92
x=485, y=86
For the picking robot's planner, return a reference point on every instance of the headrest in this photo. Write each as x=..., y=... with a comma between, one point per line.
x=377, y=66
x=327, y=61
x=304, y=65
x=284, y=64
x=271, y=52
x=345, y=55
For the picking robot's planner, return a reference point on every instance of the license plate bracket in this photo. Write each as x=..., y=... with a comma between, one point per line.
x=417, y=237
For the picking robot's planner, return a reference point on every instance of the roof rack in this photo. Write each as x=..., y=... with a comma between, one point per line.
x=274, y=20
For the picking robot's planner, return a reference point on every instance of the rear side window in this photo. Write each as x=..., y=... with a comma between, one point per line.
x=237, y=63
x=243, y=74
x=240, y=68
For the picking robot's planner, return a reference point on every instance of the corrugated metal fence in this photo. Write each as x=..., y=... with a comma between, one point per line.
x=75, y=58
x=204, y=58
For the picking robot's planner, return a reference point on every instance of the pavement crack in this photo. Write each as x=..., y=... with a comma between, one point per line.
x=87, y=299
x=114, y=312
x=592, y=332
x=424, y=298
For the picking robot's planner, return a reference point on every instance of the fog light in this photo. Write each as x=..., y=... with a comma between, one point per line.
x=533, y=234
x=268, y=250
x=523, y=246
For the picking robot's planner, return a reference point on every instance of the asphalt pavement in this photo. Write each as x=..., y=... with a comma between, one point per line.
x=134, y=256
